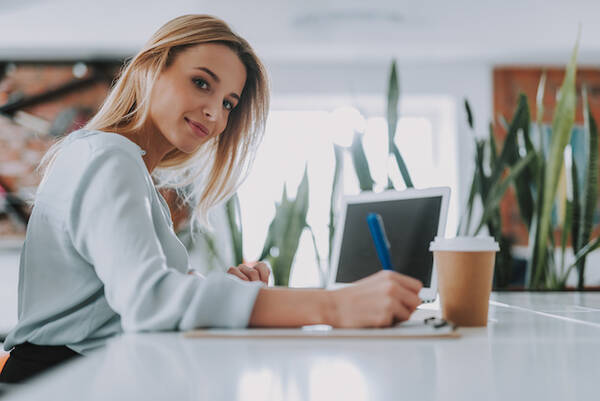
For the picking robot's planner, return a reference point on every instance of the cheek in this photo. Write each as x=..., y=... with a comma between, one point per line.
x=221, y=127
x=158, y=104
x=223, y=124
x=167, y=104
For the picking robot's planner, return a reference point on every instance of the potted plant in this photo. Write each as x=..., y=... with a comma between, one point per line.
x=536, y=167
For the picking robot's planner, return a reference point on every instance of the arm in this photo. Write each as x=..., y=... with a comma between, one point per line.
x=375, y=301
x=292, y=307
x=111, y=226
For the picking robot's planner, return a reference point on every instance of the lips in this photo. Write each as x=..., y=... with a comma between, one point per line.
x=198, y=128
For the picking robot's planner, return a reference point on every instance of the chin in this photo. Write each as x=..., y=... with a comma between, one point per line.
x=190, y=148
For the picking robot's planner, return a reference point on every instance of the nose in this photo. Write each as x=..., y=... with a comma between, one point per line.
x=211, y=110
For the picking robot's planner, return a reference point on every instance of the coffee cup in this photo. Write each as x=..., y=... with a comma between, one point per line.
x=465, y=270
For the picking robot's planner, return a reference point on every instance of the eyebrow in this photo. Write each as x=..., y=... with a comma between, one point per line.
x=217, y=79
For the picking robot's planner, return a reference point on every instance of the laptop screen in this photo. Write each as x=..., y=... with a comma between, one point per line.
x=410, y=225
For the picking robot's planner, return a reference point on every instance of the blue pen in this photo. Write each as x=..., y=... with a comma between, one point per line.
x=382, y=245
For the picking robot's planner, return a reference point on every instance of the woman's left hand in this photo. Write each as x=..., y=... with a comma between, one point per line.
x=259, y=272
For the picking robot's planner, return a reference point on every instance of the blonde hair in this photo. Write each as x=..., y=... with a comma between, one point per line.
x=230, y=154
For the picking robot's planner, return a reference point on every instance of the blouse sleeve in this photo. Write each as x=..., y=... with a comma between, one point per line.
x=110, y=224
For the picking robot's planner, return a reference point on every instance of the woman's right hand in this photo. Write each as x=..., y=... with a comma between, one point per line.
x=378, y=300
x=259, y=271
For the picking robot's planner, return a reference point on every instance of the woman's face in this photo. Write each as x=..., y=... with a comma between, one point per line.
x=193, y=97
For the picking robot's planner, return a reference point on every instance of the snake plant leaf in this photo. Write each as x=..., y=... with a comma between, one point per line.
x=392, y=120
x=576, y=208
x=268, y=244
x=533, y=231
x=469, y=114
x=322, y=272
x=566, y=228
x=301, y=205
x=499, y=188
x=529, y=147
x=210, y=241
x=281, y=215
x=562, y=124
x=393, y=96
x=590, y=189
x=361, y=165
x=510, y=149
x=521, y=123
x=402, y=166
x=503, y=122
x=234, y=218
x=463, y=226
x=493, y=147
x=483, y=181
x=584, y=251
x=539, y=100
x=285, y=231
x=339, y=167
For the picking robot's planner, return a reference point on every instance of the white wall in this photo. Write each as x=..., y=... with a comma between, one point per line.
x=457, y=80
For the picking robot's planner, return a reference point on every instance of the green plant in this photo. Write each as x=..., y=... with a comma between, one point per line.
x=538, y=273
x=282, y=240
x=359, y=159
x=393, y=97
x=535, y=171
x=543, y=271
x=491, y=187
x=285, y=231
x=339, y=168
x=234, y=219
x=590, y=192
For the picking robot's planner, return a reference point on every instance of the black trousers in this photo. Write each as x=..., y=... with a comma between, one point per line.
x=27, y=360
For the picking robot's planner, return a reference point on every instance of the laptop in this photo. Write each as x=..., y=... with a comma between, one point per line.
x=412, y=219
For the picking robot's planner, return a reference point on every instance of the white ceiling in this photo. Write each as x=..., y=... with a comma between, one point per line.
x=508, y=31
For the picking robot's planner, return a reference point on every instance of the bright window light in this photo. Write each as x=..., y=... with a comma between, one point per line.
x=300, y=137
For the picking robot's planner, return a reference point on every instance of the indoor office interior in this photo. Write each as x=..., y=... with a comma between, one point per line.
x=495, y=101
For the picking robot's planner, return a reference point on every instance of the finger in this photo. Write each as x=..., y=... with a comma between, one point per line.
x=234, y=271
x=250, y=272
x=408, y=298
x=393, y=311
x=401, y=312
x=408, y=282
x=263, y=271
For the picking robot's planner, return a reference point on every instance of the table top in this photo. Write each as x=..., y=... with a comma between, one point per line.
x=536, y=346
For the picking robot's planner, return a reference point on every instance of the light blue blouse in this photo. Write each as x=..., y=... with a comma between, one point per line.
x=101, y=256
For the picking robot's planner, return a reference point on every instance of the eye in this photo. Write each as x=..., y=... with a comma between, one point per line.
x=228, y=105
x=200, y=83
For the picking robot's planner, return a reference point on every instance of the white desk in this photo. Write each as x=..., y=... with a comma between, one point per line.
x=537, y=346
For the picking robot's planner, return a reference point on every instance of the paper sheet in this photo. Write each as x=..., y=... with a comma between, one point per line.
x=409, y=329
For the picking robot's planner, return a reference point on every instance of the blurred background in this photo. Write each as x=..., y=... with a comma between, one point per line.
x=329, y=63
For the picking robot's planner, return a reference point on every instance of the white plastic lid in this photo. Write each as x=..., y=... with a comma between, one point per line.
x=464, y=244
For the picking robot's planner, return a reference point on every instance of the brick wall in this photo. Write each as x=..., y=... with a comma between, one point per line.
x=27, y=134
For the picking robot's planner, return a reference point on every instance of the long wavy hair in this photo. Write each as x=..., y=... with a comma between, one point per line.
x=228, y=156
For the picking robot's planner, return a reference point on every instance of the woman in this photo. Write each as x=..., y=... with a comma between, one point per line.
x=101, y=257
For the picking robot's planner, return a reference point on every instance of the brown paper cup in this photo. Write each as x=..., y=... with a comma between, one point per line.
x=465, y=269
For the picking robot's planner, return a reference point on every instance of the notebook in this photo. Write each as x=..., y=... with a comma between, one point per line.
x=416, y=327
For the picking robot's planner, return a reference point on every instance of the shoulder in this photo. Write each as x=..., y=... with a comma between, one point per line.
x=84, y=149
x=97, y=142
x=86, y=156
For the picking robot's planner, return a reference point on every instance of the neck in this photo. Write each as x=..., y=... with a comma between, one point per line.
x=153, y=142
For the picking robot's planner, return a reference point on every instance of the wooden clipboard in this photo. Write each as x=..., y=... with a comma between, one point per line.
x=412, y=329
